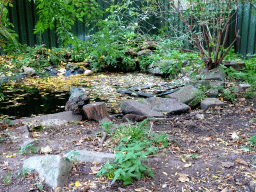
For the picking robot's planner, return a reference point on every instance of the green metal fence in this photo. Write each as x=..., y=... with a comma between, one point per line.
x=23, y=16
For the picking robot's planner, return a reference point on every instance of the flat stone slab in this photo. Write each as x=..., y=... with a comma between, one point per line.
x=153, y=107
x=135, y=107
x=167, y=105
x=54, y=119
x=54, y=169
x=211, y=102
x=90, y=156
x=237, y=65
x=186, y=94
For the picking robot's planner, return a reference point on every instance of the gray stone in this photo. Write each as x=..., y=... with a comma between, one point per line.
x=28, y=71
x=211, y=102
x=54, y=169
x=212, y=93
x=135, y=107
x=216, y=83
x=71, y=67
x=185, y=94
x=153, y=107
x=21, y=136
x=227, y=164
x=167, y=105
x=155, y=71
x=68, y=116
x=78, y=98
x=90, y=156
x=243, y=87
x=199, y=116
x=146, y=52
x=237, y=65
x=214, y=74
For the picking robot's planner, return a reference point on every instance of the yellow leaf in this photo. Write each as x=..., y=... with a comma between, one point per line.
x=10, y=156
x=78, y=184
x=215, y=176
x=165, y=173
x=35, y=135
x=183, y=160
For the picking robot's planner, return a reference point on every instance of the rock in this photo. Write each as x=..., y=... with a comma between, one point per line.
x=3, y=79
x=243, y=87
x=212, y=93
x=53, y=169
x=51, y=70
x=146, y=52
x=87, y=72
x=104, y=120
x=141, y=87
x=133, y=117
x=185, y=94
x=216, y=83
x=53, y=122
x=164, y=186
x=133, y=106
x=227, y=164
x=214, y=74
x=153, y=107
x=155, y=71
x=21, y=136
x=67, y=116
x=201, y=83
x=71, y=67
x=28, y=71
x=211, y=102
x=95, y=111
x=90, y=156
x=199, y=116
x=78, y=98
x=237, y=65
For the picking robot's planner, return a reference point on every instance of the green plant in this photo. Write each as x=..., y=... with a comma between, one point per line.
x=71, y=155
x=7, y=178
x=253, y=140
x=23, y=172
x=28, y=148
x=135, y=144
x=39, y=185
x=3, y=137
x=128, y=163
x=107, y=125
x=194, y=156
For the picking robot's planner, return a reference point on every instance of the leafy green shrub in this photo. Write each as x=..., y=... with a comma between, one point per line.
x=135, y=144
x=7, y=178
x=253, y=140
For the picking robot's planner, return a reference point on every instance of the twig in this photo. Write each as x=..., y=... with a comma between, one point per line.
x=102, y=140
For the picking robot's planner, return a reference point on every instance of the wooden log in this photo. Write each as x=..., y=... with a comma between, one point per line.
x=95, y=111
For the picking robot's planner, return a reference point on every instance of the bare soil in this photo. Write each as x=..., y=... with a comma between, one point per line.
x=195, y=164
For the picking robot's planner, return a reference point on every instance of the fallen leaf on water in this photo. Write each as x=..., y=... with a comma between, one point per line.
x=243, y=162
x=183, y=177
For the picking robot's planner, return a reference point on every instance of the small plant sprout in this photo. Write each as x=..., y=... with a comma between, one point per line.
x=7, y=178
x=28, y=148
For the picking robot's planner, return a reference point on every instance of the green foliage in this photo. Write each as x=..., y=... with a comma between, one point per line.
x=28, y=149
x=39, y=185
x=71, y=155
x=194, y=156
x=228, y=93
x=8, y=40
x=135, y=144
x=253, y=140
x=7, y=178
x=23, y=172
x=107, y=125
x=3, y=137
x=63, y=16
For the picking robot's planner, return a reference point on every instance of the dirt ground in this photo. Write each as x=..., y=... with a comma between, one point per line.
x=209, y=155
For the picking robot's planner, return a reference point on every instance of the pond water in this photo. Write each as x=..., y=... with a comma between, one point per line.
x=21, y=103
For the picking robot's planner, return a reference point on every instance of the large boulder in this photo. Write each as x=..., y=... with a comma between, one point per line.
x=186, y=94
x=153, y=107
x=28, y=71
x=54, y=169
x=78, y=98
